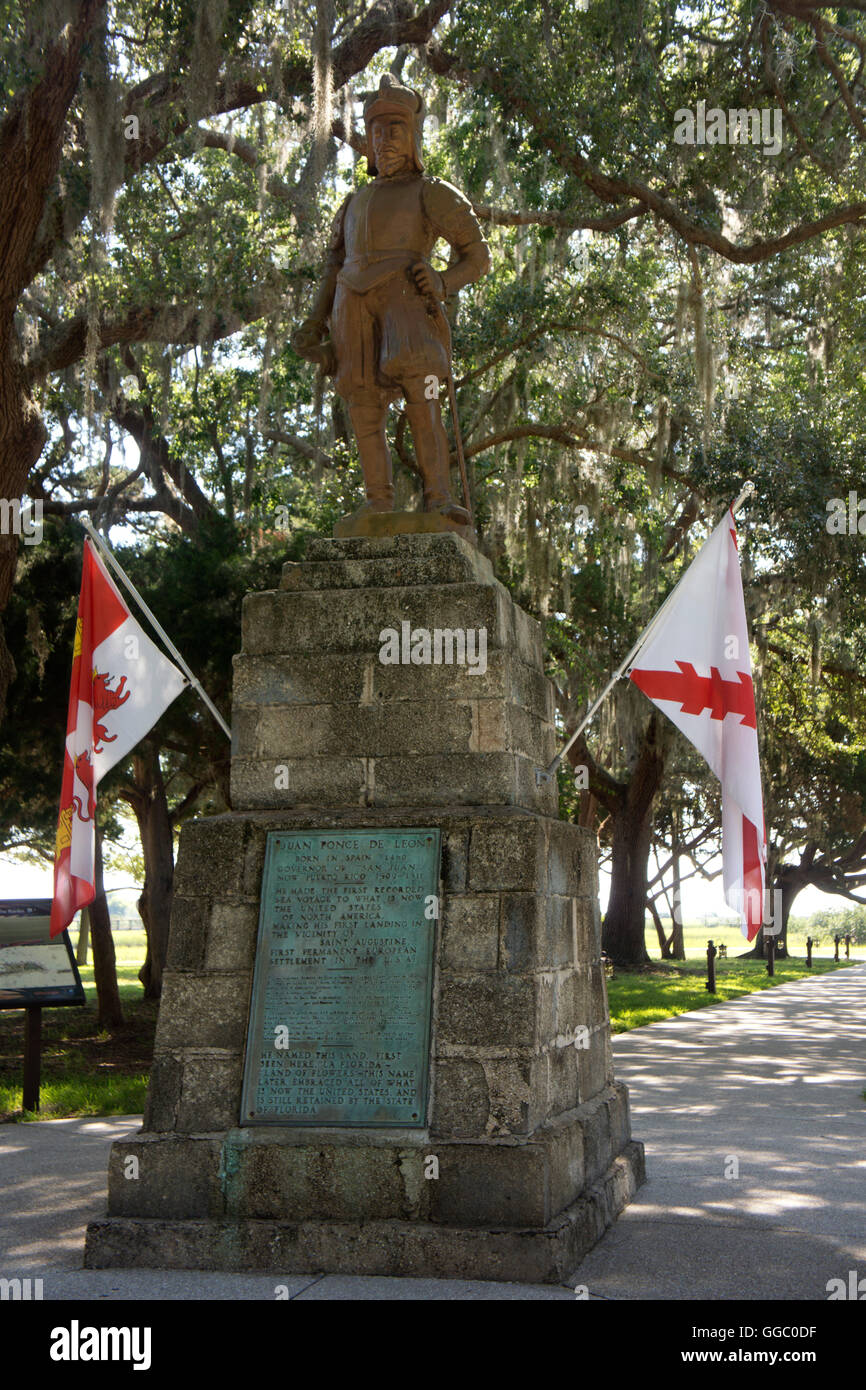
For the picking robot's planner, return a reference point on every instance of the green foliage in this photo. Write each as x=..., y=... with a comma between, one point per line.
x=677, y=988
x=826, y=924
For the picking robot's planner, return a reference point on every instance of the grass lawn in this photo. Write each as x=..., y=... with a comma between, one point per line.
x=85, y=1071
x=665, y=988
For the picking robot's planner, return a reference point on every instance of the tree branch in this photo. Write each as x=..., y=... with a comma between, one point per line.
x=613, y=190
x=308, y=451
x=186, y=324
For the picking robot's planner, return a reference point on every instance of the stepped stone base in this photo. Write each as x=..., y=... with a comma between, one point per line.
x=401, y=524
x=528, y=1129
x=545, y=1255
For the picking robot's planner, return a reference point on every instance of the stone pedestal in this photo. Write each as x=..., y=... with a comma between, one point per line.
x=529, y=1130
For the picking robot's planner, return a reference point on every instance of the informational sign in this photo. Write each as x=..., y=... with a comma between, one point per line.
x=340, y=1022
x=33, y=968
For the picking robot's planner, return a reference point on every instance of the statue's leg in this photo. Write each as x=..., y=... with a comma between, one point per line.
x=431, y=451
x=368, y=422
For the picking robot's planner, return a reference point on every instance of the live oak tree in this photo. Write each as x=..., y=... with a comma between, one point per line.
x=641, y=288
x=98, y=96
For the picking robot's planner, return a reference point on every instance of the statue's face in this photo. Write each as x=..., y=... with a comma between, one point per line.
x=391, y=139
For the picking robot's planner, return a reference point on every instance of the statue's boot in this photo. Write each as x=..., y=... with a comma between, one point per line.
x=431, y=453
x=368, y=422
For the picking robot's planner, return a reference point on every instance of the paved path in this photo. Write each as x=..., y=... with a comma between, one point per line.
x=774, y=1081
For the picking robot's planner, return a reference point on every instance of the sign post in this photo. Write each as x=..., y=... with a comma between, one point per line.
x=32, y=1056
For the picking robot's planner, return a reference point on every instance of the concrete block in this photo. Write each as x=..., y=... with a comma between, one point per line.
x=163, y=1093
x=573, y=1005
x=176, y=1177
x=470, y=932
x=565, y=861
x=509, y=1082
x=487, y=1010
x=561, y=1068
x=187, y=937
x=455, y=859
x=446, y=557
x=307, y=621
x=461, y=1099
x=231, y=937
x=267, y=1179
x=508, y=856
x=592, y=1068
x=299, y=679
x=491, y=1184
x=203, y=1010
x=536, y=932
x=210, y=857
x=210, y=1096
x=595, y=1120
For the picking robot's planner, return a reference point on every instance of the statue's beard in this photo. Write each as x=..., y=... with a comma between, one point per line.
x=390, y=164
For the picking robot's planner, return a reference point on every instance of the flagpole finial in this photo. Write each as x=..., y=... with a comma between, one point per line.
x=747, y=490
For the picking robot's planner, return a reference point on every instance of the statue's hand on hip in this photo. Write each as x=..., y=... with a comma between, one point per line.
x=428, y=280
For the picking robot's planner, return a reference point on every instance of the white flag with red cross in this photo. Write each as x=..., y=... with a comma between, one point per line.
x=121, y=684
x=696, y=666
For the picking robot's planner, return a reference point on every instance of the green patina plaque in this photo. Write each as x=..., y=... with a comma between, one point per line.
x=340, y=1021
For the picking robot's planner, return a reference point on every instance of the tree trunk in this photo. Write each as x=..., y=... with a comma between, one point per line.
x=83, y=943
x=664, y=941
x=157, y=843
x=677, y=942
x=31, y=141
x=623, y=932
x=789, y=884
x=110, y=1013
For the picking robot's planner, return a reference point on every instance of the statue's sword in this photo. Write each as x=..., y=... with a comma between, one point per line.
x=435, y=308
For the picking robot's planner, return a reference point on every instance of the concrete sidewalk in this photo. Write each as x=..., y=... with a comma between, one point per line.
x=774, y=1081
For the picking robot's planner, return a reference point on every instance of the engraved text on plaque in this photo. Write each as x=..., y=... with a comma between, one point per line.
x=340, y=1021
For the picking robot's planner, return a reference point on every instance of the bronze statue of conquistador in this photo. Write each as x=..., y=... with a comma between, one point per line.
x=382, y=299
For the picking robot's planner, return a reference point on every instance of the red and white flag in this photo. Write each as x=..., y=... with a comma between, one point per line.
x=696, y=666
x=121, y=684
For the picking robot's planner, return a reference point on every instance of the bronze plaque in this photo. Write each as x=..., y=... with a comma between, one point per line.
x=340, y=1021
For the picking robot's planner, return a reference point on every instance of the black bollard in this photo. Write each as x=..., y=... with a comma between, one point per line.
x=847, y=947
x=808, y=950
x=837, y=939
x=711, y=967
x=32, y=1057
x=771, y=955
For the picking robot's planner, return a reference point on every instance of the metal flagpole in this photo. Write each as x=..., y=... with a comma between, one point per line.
x=544, y=775
x=194, y=681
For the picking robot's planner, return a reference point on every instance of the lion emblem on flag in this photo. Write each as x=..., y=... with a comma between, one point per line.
x=84, y=773
x=105, y=699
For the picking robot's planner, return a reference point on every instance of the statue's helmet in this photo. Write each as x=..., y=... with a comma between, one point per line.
x=394, y=100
